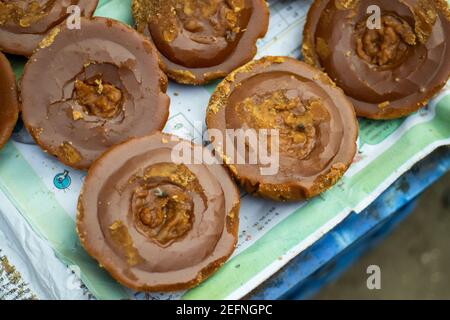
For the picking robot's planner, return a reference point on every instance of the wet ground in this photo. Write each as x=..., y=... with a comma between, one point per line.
x=414, y=259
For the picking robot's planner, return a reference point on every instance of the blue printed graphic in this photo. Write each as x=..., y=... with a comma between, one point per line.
x=62, y=181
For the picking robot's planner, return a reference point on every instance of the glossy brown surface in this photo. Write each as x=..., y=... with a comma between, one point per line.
x=9, y=105
x=387, y=72
x=89, y=89
x=316, y=124
x=24, y=23
x=202, y=40
x=156, y=225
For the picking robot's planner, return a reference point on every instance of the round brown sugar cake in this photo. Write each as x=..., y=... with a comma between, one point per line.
x=9, y=105
x=390, y=64
x=89, y=89
x=24, y=23
x=202, y=40
x=314, y=128
x=154, y=222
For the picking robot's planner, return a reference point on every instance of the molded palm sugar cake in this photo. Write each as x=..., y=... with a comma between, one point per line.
x=24, y=23
x=202, y=40
x=389, y=56
x=309, y=123
x=9, y=105
x=86, y=90
x=156, y=224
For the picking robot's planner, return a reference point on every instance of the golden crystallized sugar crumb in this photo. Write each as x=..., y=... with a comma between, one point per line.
x=183, y=76
x=178, y=174
x=99, y=84
x=98, y=98
x=77, y=115
x=122, y=238
x=80, y=211
x=425, y=15
x=346, y=4
x=308, y=52
x=278, y=60
x=384, y=104
x=276, y=191
x=324, y=78
x=322, y=48
x=443, y=7
x=329, y=179
x=246, y=68
x=214, y=108
x=213, y=75
x=220, y=95
x=224, y=89
x=36, y=132
x=50, y=38
x=69, y=154
x=21, y=17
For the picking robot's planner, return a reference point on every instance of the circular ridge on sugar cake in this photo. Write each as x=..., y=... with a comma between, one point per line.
x=388, y=69
x=9, y=104
x=24, y=23
x=156, y=224
x=315, y=123
x=200, y=40
x=86, y=90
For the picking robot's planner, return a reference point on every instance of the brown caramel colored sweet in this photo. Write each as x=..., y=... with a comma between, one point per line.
x=202, y=40
x=387, y=70
x=93, y=88
x=9, y=105
x=316, y=124
x=24, y=23
x=156, y=224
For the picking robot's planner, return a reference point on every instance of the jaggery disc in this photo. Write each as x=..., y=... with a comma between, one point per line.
x=388, y=65
x=89, y=89
x=202, y=40
x=314, y=121
x=9, y=105
x=156, y=223
x=24, y=23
